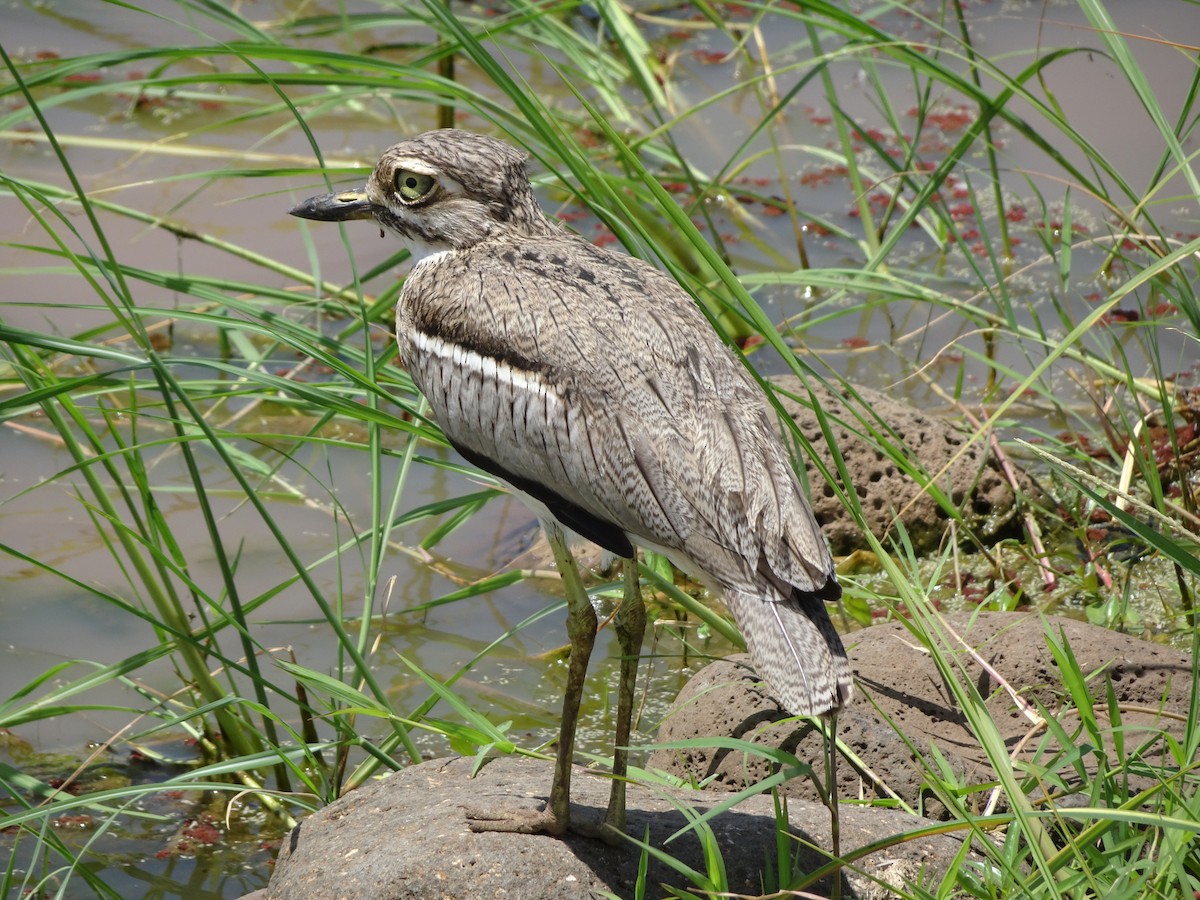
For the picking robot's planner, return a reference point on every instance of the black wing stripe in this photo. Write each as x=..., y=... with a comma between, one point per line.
x=573, y=516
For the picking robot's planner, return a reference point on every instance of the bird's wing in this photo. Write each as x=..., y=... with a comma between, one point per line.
x=590, y=381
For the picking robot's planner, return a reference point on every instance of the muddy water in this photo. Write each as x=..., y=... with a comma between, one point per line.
x=47, y=620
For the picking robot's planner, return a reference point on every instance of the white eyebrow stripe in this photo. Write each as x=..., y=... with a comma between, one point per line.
x=414, y=164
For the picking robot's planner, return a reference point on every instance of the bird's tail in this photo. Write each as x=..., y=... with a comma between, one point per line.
x=795, y=647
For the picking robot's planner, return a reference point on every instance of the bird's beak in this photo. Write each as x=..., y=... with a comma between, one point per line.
x=340, y=207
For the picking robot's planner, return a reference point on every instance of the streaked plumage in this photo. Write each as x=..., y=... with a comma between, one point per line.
x=590, y=381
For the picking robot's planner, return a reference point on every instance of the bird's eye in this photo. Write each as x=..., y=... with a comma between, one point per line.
x=412, y=186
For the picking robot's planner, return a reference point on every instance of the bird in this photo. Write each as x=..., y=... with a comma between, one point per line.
x=593, y=385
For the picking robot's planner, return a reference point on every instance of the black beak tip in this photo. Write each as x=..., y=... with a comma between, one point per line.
x=340, y=207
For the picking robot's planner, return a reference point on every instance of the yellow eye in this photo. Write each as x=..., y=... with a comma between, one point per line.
x=412, y=186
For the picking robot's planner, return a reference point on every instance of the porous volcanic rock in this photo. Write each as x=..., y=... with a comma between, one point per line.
x=897, y=680
x=406, y=836
x=972, y=479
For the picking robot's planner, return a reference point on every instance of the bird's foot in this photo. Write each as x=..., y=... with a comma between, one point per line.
x=602, y=831
x=542, y=821
x=524, y=821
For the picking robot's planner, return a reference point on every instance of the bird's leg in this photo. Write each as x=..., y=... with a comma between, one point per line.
x=581, y=632
x=630, y=626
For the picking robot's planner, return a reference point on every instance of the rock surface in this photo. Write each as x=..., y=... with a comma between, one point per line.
x=973, y=481
x=406, y=836
x=900, y=678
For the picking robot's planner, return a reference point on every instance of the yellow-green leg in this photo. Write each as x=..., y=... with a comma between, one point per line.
x=581, y=633
x=630, y=626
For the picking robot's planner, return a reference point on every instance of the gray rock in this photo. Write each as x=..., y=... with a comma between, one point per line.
x=901, y=680
x=973, y=481
x=406, y=836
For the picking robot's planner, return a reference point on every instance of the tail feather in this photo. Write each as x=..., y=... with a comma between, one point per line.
x=794, y=647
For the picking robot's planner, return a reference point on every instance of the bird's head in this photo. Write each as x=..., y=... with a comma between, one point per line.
x=441, y=190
